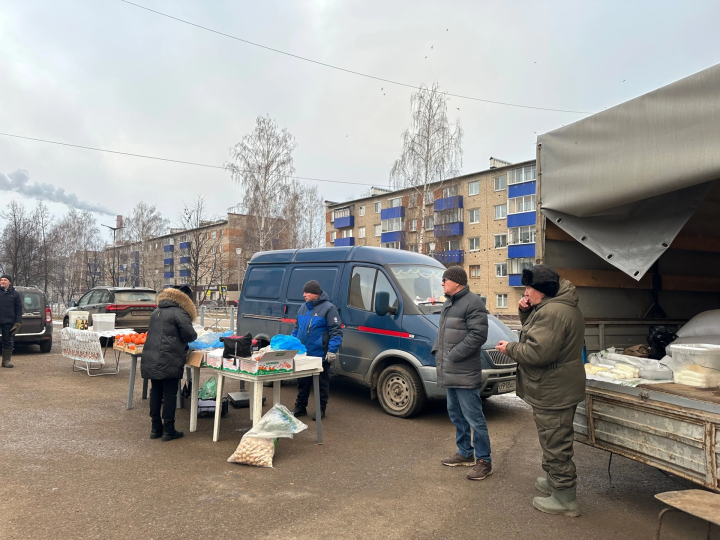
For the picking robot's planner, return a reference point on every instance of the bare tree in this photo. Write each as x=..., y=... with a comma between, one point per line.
x=20, y=255
x=143, y=224
x=262, y=164
x=432, y=150
x=43, y=228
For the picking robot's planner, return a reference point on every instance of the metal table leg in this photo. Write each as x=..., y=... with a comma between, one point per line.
x=131, y=387
x=218, y=406
x=318, y=412
x=276, y=392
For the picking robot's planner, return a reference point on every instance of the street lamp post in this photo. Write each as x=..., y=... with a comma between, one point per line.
x=238, y=252
x=114, y=230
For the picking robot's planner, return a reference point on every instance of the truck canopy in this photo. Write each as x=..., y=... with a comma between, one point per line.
x=625, y=182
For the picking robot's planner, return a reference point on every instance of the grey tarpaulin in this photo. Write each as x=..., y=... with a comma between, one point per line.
x=626, y=180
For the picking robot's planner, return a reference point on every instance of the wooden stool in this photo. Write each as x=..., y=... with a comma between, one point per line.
x=696, y=502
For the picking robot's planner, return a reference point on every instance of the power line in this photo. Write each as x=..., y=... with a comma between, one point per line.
x=167, y=159
x=338, y=68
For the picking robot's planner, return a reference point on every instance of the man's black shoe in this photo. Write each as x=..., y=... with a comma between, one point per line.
x=322, y=414
x=299, y=411
x=156, y=434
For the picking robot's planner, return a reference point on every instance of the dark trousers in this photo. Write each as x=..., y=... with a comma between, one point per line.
x=556, y=434
x=163, y=393
x=306, y=383
x=7, y=339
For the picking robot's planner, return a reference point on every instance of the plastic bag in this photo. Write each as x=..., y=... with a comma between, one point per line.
x=281, y=342
x=209, y=389
x=254, y=451
x=659, y=338
x=706, y=323
x=209, y=341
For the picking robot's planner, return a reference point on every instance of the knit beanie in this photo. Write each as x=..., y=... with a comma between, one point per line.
x=312, y=287
x=7, y=276
x=456, y=274
x=543, y=278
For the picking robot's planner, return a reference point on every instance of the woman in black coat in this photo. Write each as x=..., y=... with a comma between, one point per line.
x=164, y=354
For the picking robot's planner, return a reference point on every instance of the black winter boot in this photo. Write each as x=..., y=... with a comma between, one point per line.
x=6, y=356
x=299, y=411
x=169, y=432
x=156, y=431
x=322, y=415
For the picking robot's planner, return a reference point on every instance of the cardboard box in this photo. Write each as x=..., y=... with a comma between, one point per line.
x=231, y=364
x=270, y=363
x=304, y=362
x=214, y=359
x=195, y=358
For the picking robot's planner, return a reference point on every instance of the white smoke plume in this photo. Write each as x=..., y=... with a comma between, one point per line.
x=18, y=181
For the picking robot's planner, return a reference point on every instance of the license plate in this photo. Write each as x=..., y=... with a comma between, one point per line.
x=506, y=386
x=140, y=312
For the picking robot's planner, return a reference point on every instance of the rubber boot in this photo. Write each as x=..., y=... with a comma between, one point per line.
x=169, y=432
x=562, y=502
x=541, y=484
x=6, y=356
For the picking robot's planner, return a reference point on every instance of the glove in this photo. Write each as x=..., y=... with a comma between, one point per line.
x=15, y=328
x=331, y=357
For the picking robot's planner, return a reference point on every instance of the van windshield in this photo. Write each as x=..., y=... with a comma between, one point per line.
x=421, y=283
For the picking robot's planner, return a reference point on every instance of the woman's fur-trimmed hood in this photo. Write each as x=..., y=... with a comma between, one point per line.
x=181, y=299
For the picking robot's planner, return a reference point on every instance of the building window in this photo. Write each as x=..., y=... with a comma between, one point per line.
x=500, y=269
x=452, y=245
x=523, y=174
x=474, y=243
x=221, y=249
x=412, y=247
x=378, y=207
x=474, y=270
x=413, y=225
x=428, y=197
x=453, y=215
x=473, y=188
x=361, y=211
x=500, y=182
x=346, y=233
x=221, y=232
x=333, y=235
x=500, y=211
x=214, y=234
x=501, y=300
x=428, y=249
x=451, y=191
x=393, y=224
x=412, y=200
x=361, y=232
x=378, y=230
x=340, y=213
x=521, y=235
x=500, y=241
x=394, y=203
x=516, y=266
x=429, y=224
x=474, y=215
x=521, y=204
x=392, y=245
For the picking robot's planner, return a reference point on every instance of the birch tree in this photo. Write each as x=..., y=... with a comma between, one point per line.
x=431, y=151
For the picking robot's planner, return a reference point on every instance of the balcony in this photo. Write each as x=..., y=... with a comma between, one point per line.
x=389, y=237
x=169, y=248
x=519, y=190
x=519, y=251
x=184, y=260
x=521, y=220
x=515, y=280
x=448, y=257
x=344, y=222
x=184, y=245
x=169, y=261
x=392, y=213
x=184, y=273
x=341, y=242
x=448, y=229
x=168, y=274
x=448, y=203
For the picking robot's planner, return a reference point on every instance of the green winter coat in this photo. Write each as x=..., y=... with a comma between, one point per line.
x=550, y=371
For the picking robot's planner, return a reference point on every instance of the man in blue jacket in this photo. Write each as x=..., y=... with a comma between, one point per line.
x=10, y=317
x=318, y=327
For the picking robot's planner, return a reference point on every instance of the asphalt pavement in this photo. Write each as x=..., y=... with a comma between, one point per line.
x=75, y=464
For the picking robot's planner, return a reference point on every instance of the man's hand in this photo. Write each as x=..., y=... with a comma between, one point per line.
x=502, y=346
x=15, y=328
x=331, y=357
x=525, y=304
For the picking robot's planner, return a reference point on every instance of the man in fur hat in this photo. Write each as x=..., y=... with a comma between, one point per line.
x=10, y=317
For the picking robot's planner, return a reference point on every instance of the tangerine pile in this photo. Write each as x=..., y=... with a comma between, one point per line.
x=131, y=340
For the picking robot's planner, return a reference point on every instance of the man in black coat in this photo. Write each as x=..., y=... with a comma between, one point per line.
x=164, y=354
x=462, y=333
x=10, y=317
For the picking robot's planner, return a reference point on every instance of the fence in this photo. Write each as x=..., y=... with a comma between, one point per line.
x=219, y=319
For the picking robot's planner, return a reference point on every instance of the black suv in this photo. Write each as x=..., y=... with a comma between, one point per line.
x=37, y=322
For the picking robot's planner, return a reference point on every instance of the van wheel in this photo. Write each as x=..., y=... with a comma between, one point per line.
x=400, y=391
x=45, y=346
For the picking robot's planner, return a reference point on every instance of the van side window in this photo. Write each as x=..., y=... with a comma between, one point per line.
x=300, y=276
x=264, y=282
x=362, y=282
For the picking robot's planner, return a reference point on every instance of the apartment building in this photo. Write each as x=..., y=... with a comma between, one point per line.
x=483, y=221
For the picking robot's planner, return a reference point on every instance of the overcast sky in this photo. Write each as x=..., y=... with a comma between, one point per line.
x=106, y=74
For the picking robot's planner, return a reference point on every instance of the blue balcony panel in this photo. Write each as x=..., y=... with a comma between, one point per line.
x=168, y=274
x=448, y=257
x=349, y=241
x=135, y=254
x=344, y=222
x=184, y=260
x=168, y=248
x=390, y=213
x=169, y=261
x=521, y=220
x=448, y=203
x=184, y=273
x=121, y=279
x=521, y=250
x=515, y=280
x=396, y=236
x=520, y=190
x=184, y=245
x=448, y=229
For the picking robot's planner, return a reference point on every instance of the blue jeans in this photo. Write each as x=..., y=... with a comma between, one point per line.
x=465, y=409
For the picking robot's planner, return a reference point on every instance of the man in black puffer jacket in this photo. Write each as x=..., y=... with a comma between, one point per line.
x=164, y=354
x=462, y=333
x=10, y=317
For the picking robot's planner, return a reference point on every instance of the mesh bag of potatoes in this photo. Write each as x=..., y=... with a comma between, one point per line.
x=257, y=447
